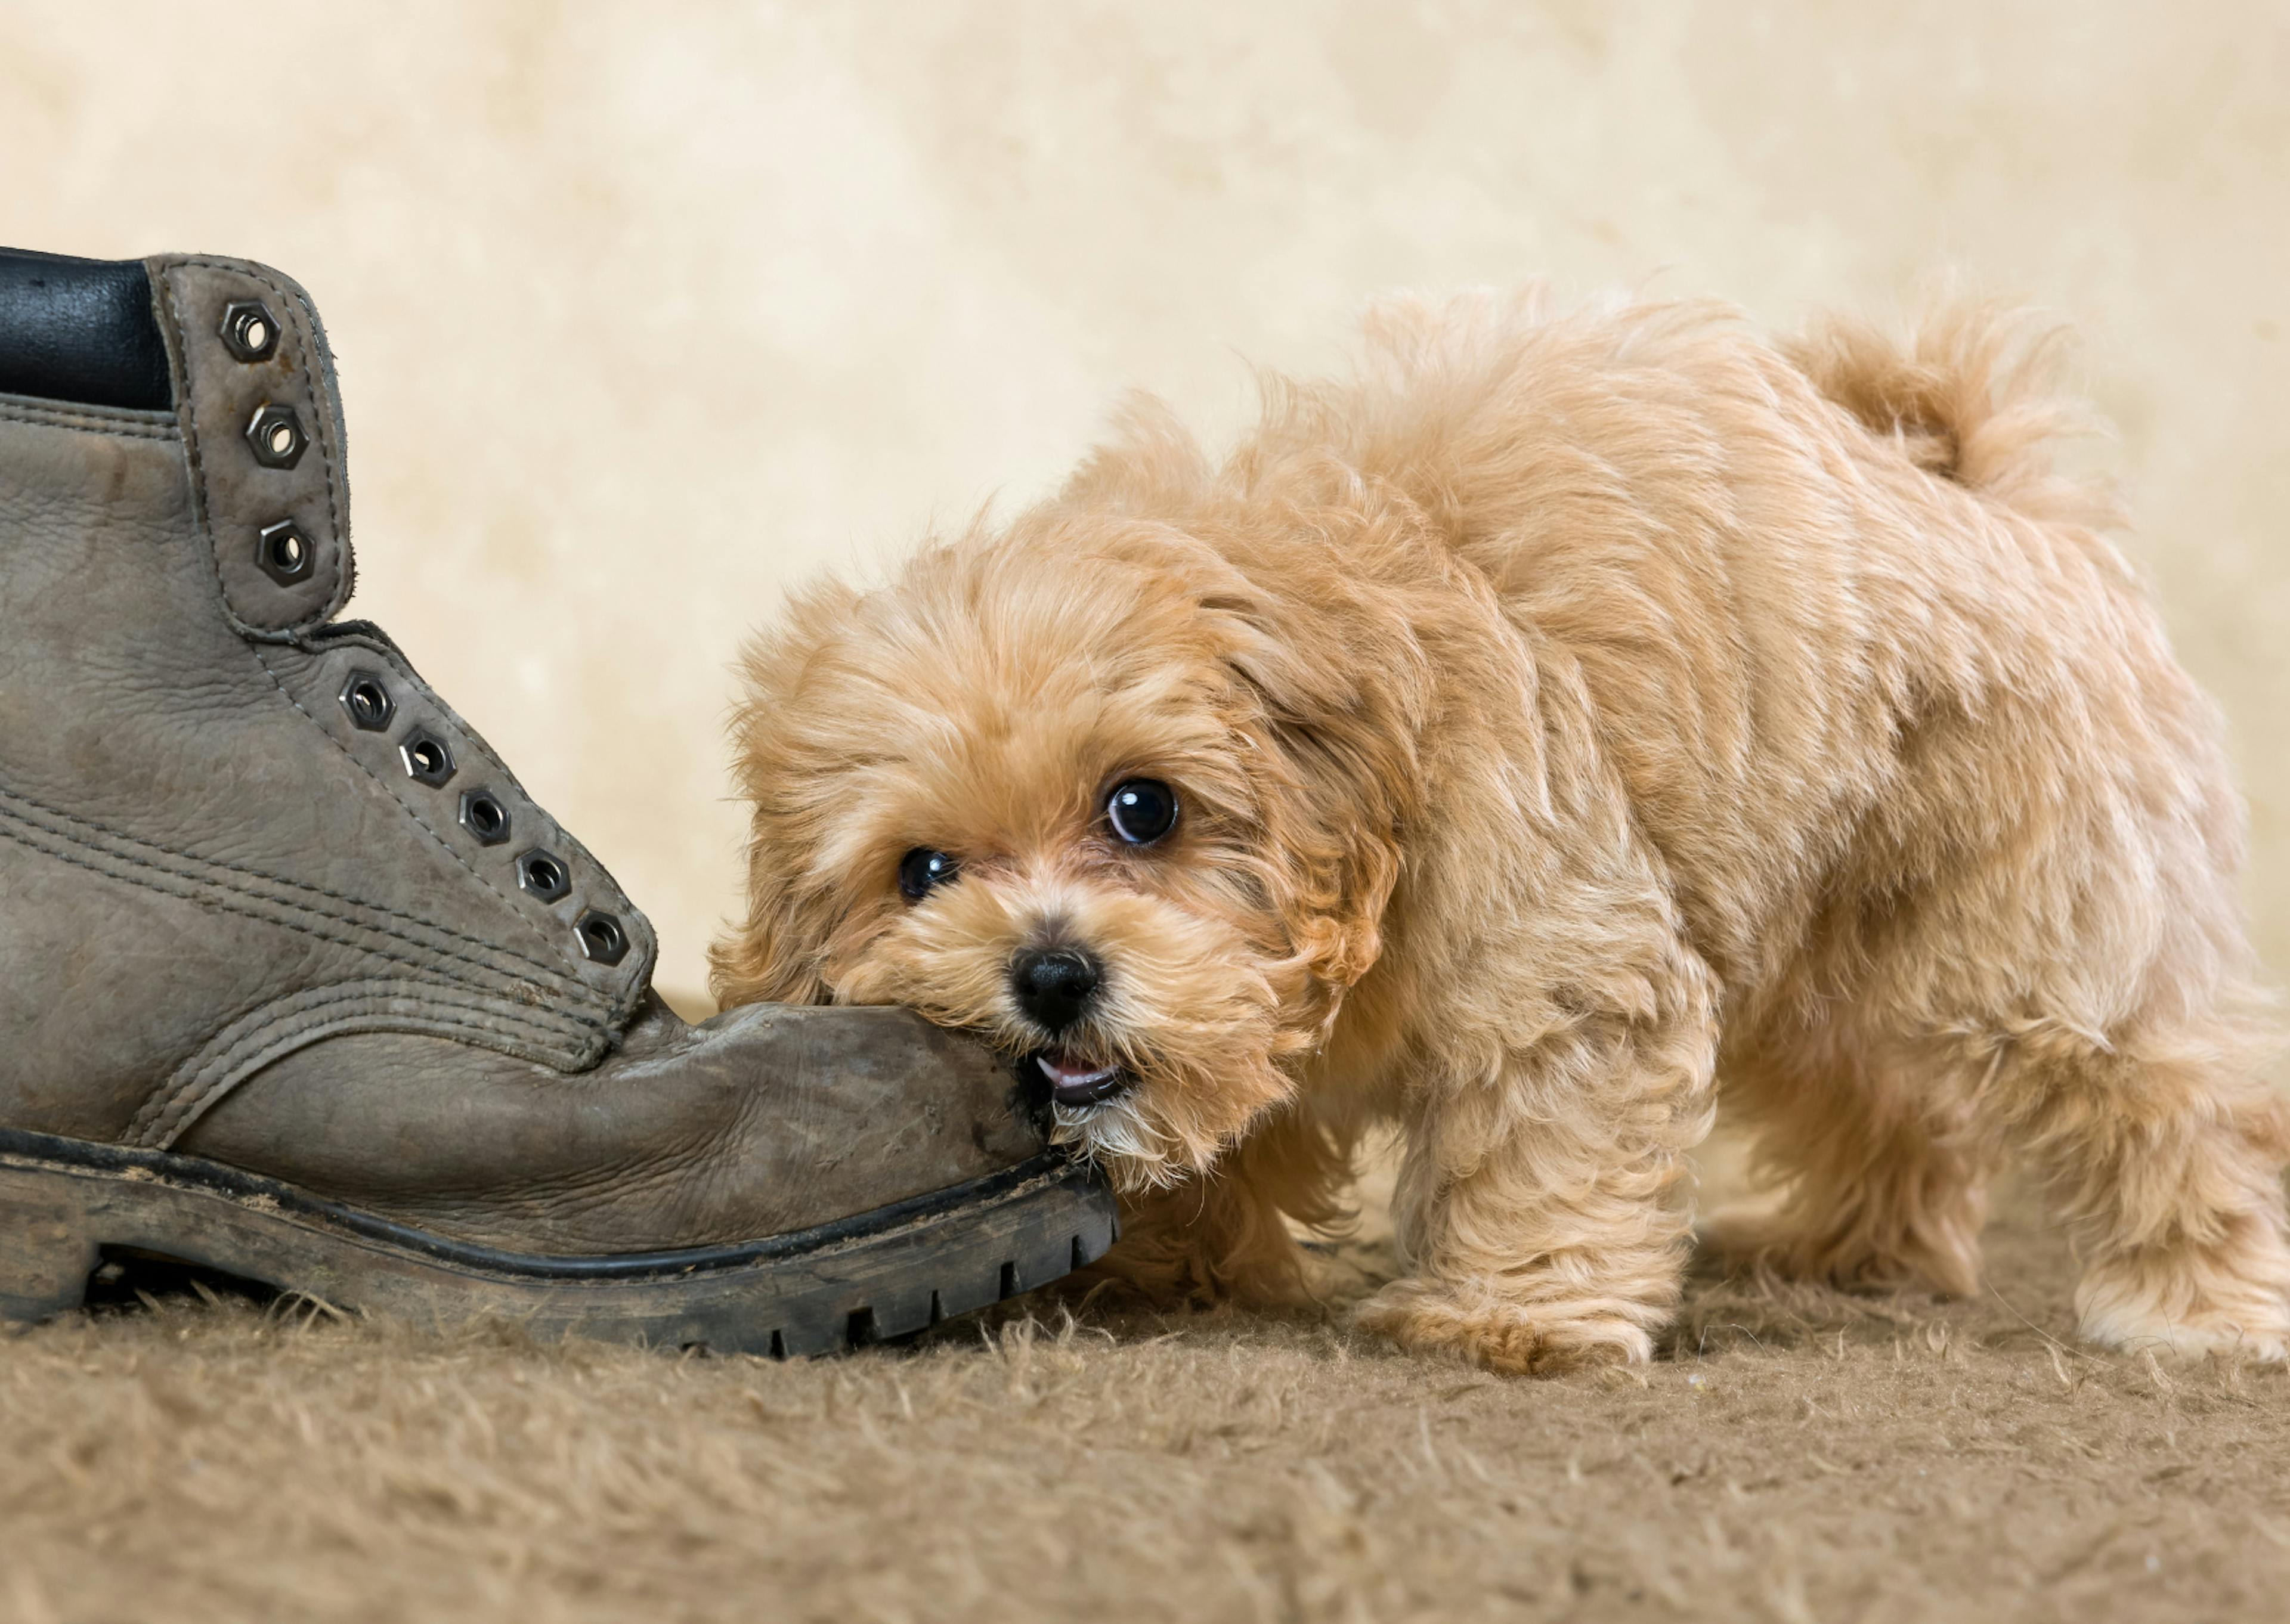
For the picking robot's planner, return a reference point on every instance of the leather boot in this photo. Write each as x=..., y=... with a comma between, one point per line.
x=297, y=983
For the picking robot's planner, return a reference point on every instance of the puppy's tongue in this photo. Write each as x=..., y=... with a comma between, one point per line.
x=1074, y=1081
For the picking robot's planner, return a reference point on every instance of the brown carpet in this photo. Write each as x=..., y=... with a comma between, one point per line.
x=1797, y=1455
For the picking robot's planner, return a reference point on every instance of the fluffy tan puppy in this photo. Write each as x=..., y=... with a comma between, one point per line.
x=1567, y=711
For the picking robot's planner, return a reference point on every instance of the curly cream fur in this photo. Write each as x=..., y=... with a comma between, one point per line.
x=1569, y=710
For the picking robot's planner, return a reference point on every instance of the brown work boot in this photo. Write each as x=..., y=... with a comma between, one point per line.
x=297, y=984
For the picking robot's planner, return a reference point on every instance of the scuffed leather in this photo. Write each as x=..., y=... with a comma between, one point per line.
x=198, y=837
x=764, y=1120
x=233, y=923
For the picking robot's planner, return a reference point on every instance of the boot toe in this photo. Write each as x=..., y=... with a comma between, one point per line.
x=764, y=1120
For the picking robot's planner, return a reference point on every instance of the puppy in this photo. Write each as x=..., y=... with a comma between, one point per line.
x=1567, y=710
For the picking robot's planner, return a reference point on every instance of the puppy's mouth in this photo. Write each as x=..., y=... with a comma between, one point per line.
x=1076, y=1079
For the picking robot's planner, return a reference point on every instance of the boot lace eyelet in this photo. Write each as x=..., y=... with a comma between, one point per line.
x=286, y=553
x=248, y=331
x=367, y=701
x=543, y=874
x=602, y=940
x=275, y=435
x=485, y=817
x=428, y=759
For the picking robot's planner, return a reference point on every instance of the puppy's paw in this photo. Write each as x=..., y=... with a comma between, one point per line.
x=1541, y=1338
x=2266, y=1345
x=2191, y=1306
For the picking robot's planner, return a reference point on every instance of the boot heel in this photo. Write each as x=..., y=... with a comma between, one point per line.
x=46, y=1251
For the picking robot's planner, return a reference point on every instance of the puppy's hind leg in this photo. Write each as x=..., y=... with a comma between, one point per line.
x=1536, y=1209
x=2164, y=1152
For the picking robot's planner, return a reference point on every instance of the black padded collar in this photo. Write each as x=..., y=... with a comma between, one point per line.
x=80, y=331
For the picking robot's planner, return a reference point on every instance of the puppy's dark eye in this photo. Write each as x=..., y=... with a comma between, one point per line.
x=1141, y=810
x=922, y=868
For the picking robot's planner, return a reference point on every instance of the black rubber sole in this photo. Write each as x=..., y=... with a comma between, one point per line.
x=880, y=1275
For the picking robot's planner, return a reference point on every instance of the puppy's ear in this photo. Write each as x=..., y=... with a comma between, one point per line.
x=757, y=962
x=1147, y=463
x=774, y=953
x=1343, y=692
x=1333, y=811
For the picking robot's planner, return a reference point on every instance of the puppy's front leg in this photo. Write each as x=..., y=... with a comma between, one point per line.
x=1536, y=1210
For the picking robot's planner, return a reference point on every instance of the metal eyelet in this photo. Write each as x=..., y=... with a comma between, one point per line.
x=286, y=553
x=368, y=702
x=428, y=759
x=543, y=874
x=602, y=940
x=276, y=435
x=248, y=331
x=485, y=817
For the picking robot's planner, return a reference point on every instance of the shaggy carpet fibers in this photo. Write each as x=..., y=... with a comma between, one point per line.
x=1795, y=1455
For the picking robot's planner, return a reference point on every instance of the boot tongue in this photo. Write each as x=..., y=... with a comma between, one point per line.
x=261, y=419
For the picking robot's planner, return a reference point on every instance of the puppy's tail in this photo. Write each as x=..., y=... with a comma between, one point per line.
x=1972, y=395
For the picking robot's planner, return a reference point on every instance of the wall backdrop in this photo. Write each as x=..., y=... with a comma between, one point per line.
x=644, y=312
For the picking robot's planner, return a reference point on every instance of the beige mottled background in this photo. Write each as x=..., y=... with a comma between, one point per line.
x=646, y=311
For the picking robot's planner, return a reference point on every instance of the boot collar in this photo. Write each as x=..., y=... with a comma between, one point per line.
x=81, y=330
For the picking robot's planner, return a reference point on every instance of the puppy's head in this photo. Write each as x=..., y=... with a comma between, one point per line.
x=1086, y=789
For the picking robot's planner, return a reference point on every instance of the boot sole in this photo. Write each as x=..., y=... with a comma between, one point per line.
x=857, y=1280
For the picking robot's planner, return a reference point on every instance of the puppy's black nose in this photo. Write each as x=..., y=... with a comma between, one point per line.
x=1053, y=985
